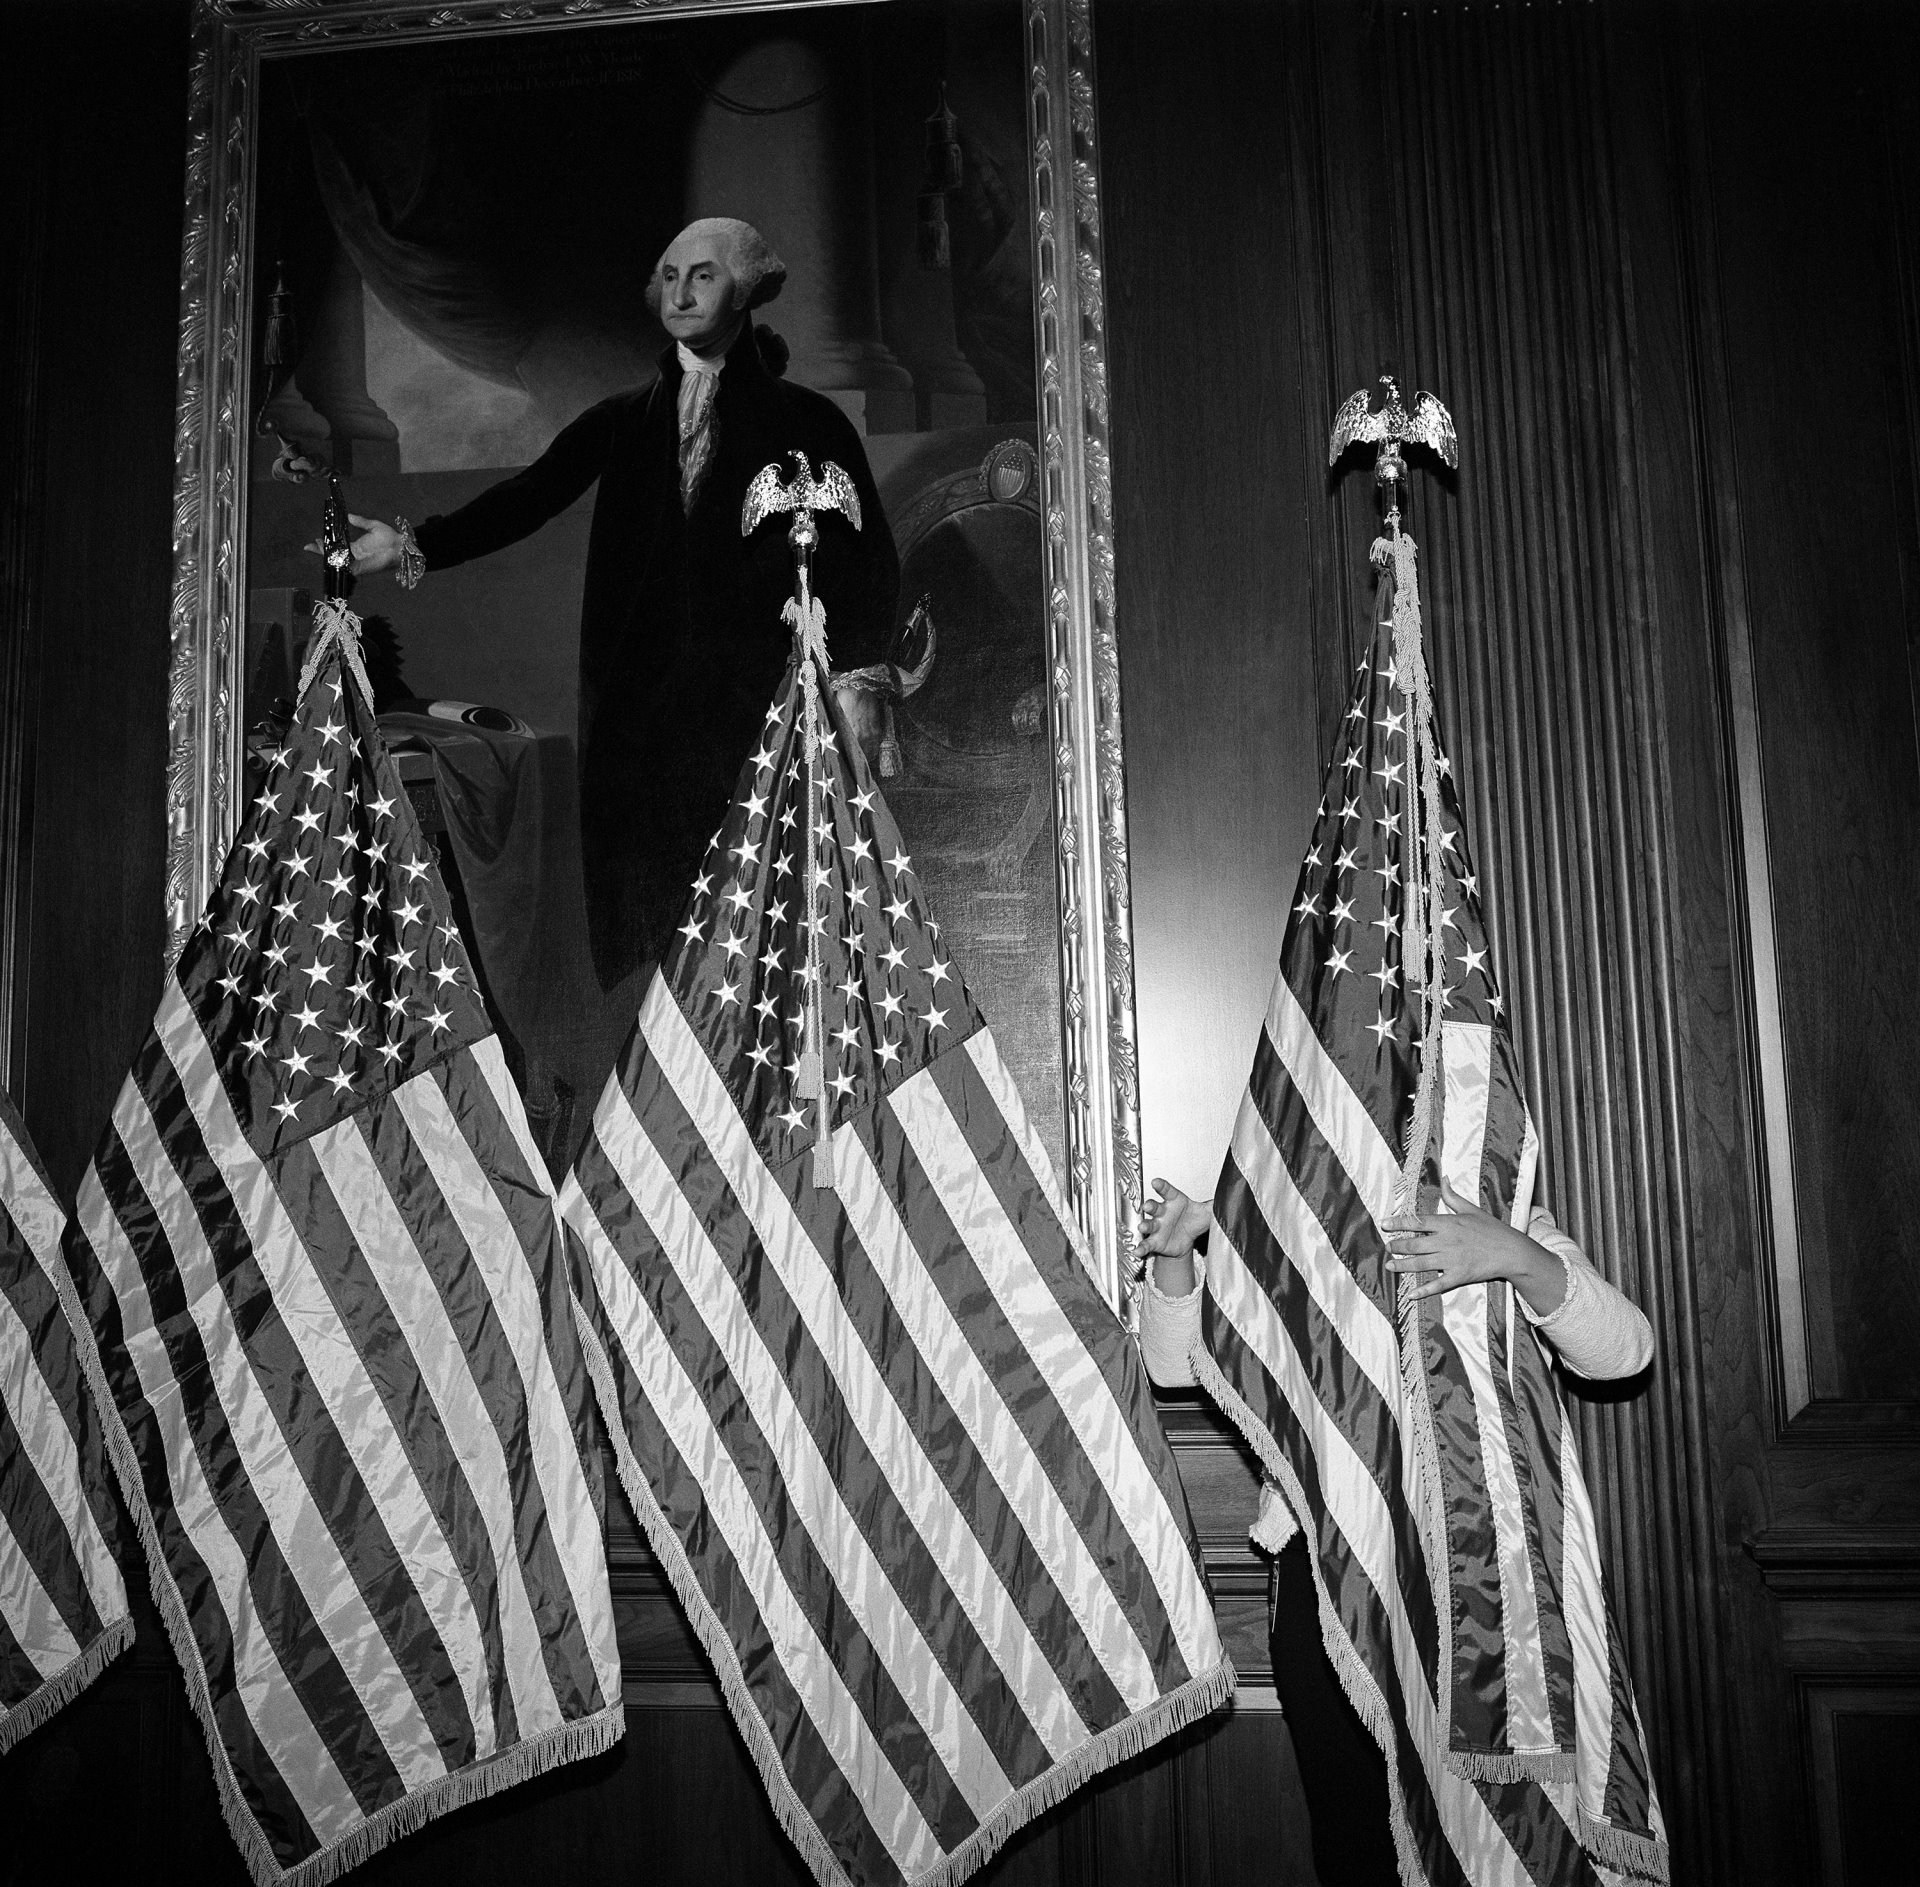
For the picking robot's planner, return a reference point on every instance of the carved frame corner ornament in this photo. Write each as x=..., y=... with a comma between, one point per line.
x=211, y=443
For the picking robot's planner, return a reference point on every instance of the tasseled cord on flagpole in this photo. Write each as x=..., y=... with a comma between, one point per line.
x=803, y=494
x=1422, y=955
x=1422, y=948
x=335, y=624
x=808, y=617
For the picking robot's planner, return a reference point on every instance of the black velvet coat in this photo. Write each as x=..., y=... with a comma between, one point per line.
x=681, y=638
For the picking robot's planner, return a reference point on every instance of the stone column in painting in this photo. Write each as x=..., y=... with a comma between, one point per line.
x=333, y=375
x=784, y=140
x=918, y=159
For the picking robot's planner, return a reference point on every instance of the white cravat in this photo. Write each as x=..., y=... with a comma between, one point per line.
x=699, y=382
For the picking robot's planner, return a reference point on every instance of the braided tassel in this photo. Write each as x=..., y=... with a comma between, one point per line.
x=1423, y=949
x=334, y=622
x=808, y=618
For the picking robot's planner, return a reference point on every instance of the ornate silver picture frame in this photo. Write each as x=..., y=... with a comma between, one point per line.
x=224, y=491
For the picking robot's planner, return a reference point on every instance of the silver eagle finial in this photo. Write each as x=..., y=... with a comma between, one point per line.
x=1429, y=424
x=803, y=495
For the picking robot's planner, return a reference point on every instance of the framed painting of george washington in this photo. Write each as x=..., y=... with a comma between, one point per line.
x=424, y=248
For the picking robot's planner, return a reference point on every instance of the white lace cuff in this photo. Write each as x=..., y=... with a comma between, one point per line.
x=1169, y=1327
x=1596, y=1330
x=1274, y=1527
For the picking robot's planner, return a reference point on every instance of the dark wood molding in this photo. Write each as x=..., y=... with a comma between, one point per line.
x=1894, y=1424
x=1859, y=1564
x=1783, y=1547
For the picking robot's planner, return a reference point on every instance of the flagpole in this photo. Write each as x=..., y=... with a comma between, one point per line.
x=333, y=621
x=803, y=495
x=1422, y=911
x=808, y=617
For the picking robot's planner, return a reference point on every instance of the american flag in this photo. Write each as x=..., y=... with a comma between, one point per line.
x=63, y=1608
x=896, y=1453
x=320, y=1259
x=1431, y=1464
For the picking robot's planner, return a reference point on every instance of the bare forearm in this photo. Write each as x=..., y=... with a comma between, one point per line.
x=1538, y=1276
x=1171, y=1225
x=1173, y=1273
x=1455, y=1242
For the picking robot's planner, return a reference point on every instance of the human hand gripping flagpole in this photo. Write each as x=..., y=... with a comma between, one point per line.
x=807, y=615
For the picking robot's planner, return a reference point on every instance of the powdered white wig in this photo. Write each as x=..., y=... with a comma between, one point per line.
x=758, y=274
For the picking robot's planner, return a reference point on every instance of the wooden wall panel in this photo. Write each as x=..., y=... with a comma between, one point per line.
x=1693, y=524
x=1866, y=1751
x=1810, y=245
x=61, y=1825
x=1215, y=506
x=1789, y=137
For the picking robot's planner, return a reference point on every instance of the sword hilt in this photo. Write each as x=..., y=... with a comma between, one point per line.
x=336, y=544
